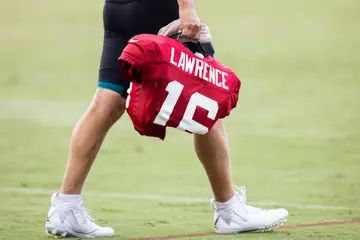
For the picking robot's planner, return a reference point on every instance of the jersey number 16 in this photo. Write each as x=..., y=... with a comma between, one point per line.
x=187, y=123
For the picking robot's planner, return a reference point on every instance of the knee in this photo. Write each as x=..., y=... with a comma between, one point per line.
x=219, y=130
x=219, y=126
x=108, y=104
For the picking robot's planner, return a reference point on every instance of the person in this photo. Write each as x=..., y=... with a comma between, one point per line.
x=122, y=20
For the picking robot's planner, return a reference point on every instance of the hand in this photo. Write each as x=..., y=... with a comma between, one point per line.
x=190, y=21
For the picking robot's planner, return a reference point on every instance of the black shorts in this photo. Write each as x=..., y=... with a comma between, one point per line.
x=123, y=20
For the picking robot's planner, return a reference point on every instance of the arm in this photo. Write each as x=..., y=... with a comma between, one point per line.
x=185, y=3
x=190, y=21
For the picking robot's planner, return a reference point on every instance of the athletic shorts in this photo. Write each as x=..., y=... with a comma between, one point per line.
x=123, y=19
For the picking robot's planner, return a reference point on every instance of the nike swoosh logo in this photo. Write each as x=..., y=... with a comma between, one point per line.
x=216, y=221
x=133, y=41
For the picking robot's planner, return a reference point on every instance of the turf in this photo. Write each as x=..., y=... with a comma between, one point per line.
x=295, y=136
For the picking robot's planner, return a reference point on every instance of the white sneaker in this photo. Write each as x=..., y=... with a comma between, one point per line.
x=243, y=218
x=73, y=220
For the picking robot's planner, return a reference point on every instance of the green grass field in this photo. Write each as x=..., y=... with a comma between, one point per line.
x=295, y=137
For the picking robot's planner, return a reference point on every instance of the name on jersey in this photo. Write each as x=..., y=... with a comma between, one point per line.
x=200, y=69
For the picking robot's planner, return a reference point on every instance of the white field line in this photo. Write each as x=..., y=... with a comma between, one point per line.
x=169, y=199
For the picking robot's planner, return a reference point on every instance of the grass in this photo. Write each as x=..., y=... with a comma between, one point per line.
x=295, y=136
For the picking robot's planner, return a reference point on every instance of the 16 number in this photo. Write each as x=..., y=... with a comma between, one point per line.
x=187, y=123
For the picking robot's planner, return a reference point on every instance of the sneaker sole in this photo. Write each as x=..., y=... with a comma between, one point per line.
x=268, y=228
x=61, y=233
x=273, y=226
x=57, y=233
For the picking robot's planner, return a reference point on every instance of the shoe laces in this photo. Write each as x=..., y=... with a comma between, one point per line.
x=241, y=191
x=86, y=213
x=240, y=205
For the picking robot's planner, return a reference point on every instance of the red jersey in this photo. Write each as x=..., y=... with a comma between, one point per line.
x=172, y=87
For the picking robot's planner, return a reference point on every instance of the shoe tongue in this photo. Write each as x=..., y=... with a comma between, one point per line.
x=53, y=198
x=241, y=194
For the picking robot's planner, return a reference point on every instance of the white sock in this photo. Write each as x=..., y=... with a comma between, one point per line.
x=69, y=198
x=226, y=205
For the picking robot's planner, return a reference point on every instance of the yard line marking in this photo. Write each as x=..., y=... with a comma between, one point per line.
x=295, y=226
x=170, y=199
x=320, y=224
x=194, y=235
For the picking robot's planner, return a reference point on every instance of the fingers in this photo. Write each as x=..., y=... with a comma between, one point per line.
x=192, y=30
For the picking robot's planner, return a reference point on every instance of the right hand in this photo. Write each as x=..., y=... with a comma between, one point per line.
x=190, y=22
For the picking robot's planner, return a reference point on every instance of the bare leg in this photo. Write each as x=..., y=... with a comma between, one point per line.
x=106, y=108
x=213, y=151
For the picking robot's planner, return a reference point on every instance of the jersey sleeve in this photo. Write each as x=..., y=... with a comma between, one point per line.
x=135, y=56
x=232, y=98
x=235, y=88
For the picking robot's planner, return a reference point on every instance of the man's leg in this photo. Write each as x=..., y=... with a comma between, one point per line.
x=66, y=216
x=106, y=108
x=213, y=151
x=231, y=215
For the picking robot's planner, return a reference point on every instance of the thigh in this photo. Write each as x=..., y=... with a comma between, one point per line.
x=123, y=20
x=110, y=76
x=115, y=40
